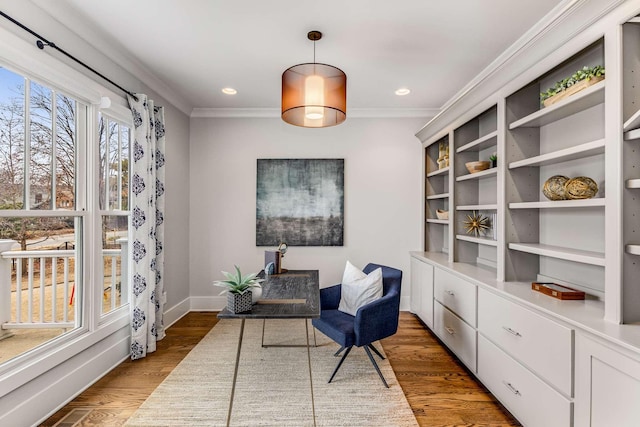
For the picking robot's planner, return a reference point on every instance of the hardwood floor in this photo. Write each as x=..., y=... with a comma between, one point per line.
x=439, y=389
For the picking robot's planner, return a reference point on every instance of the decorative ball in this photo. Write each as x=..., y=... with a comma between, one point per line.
x=554, y=187
x=581, y=187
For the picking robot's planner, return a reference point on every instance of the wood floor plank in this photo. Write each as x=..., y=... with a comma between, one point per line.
x=440, y=390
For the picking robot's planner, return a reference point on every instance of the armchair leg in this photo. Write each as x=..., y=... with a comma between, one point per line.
x=344, y=356
x=375, y=350
x=375, y=365
x=337, y=353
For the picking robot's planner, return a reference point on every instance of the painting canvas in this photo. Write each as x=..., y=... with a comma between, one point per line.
x=300, y=202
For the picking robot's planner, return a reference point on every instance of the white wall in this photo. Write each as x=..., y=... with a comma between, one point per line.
x=382, y=195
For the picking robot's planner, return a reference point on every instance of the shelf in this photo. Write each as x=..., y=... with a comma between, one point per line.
x=576, y=255
x=477, y=207
x=480, y=143
x=632, y=183
x=580, y=101
x=577, y=152
x=478, y=175
x=479, y=240
x=438, y=172
x=438, y=221
x=547, y=204
x=438, y=196
x=632, y=249
x=632, y=134
x=632, y=123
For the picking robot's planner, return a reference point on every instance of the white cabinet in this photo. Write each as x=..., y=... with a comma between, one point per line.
x=456, y=334
x=456, y=294
x=539, y=343
x=422, y=290
x=607, y=385
x=528, y=398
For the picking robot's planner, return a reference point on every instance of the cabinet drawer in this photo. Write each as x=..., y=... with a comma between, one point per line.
x=528, y=398
x=539, y=343
x=456, y=294
x=456, y=334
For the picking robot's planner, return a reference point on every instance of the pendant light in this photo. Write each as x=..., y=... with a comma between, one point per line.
x=314, y=95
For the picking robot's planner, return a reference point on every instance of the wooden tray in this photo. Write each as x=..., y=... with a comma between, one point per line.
x=557, y=291
x=581, y=85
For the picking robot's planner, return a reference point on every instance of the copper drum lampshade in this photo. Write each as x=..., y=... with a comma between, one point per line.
x=314, y=95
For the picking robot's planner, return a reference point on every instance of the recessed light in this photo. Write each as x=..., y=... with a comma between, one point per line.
x=403, y=91
x=229, y=91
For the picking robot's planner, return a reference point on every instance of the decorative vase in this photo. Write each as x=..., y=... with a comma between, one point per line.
x=494, y=163
x=256, y=294
x=239, y=303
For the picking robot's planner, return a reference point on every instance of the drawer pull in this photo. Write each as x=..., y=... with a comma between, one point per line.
x=450, y=330
x=512, y=332
x=512, y=388
x=450, y=293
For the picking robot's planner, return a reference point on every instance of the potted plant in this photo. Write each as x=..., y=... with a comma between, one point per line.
x=578, y=81
x=238, y=290
x=494, y=160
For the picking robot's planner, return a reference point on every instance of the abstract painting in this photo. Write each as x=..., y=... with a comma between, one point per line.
x=300, y=202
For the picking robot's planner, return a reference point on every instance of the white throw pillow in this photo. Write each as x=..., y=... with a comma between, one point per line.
x=359, y=289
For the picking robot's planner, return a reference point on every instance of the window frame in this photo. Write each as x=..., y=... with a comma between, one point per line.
x=20, y=56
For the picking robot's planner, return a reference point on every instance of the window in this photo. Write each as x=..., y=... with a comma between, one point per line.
x=51, y=196
x=41, y=272
x=114, y=139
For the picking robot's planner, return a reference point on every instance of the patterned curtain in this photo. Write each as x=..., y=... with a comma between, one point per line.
x=147, y=220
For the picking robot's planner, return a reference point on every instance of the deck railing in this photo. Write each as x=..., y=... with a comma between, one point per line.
x=38, y=287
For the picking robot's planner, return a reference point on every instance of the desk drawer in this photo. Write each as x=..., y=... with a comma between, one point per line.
x=541, y=344
x=456, y=334
x=456, y=294
x=529, y=399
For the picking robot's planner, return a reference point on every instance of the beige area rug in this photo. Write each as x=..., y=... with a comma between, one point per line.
x=273, y=386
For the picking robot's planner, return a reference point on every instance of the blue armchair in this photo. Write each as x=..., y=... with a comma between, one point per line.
x=373, y=321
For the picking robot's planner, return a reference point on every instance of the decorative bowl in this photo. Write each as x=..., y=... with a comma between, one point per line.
x=478, y=166
x=442, y=214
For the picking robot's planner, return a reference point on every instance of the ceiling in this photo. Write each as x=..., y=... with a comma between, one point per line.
x=197, y=47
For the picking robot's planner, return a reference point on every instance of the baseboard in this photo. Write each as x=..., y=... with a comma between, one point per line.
x=176, y=312
x=216, y=303
x=405, y=303
x=61, y=380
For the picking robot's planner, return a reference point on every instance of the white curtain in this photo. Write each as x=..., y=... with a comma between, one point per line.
x=147, y=219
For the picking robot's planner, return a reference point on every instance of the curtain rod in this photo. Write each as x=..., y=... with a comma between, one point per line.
x=42, y=43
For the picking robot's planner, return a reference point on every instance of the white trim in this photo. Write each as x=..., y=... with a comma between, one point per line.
x=207, y=303
x=175, y=313
x=352, y=113
x=501, y=70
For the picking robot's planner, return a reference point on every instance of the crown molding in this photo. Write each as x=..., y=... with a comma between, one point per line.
x=563, y=14
x=353, y=113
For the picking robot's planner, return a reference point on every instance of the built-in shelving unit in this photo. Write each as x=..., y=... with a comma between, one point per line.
x=592, y=244
x=629, y=290
x=476, y=193
x=437, y=196
x=561, y=239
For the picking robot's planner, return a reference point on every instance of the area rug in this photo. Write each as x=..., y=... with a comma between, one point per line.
x=273, y=386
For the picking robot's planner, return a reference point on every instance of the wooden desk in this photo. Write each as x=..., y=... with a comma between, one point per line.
x=292, y=295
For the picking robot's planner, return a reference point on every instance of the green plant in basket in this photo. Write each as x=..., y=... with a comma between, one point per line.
x=237, y=283
x=586, y=73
